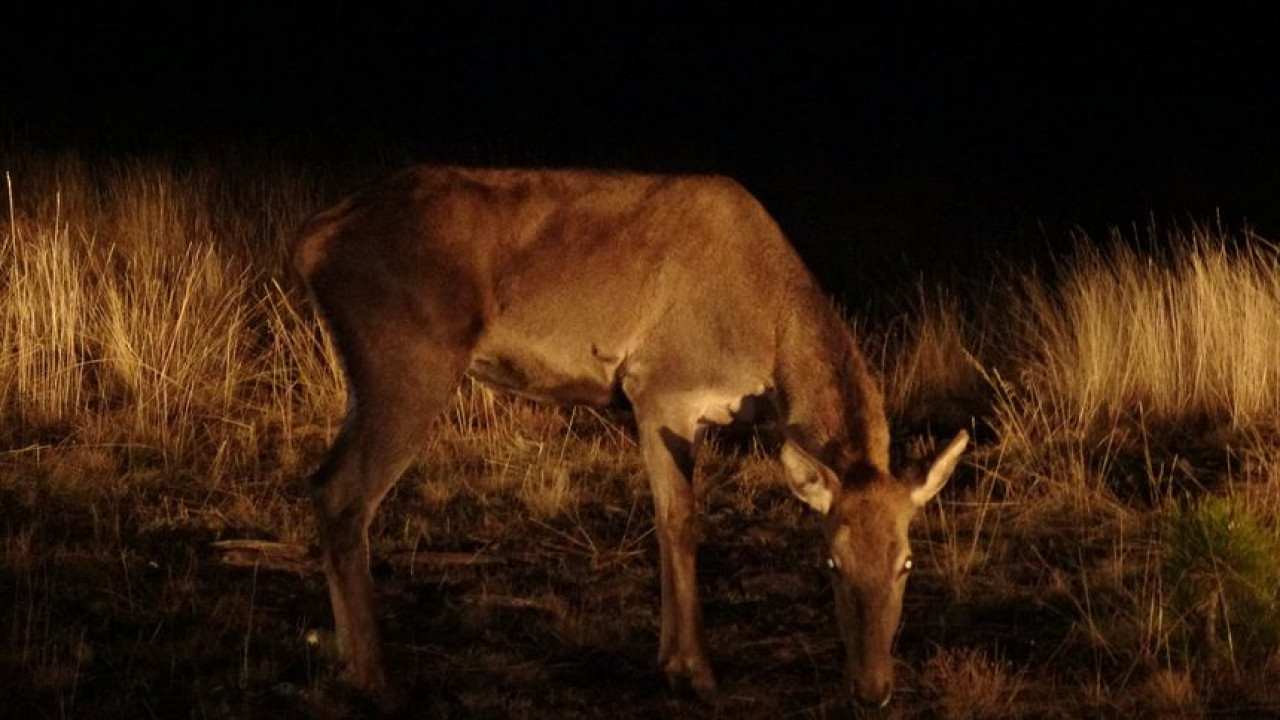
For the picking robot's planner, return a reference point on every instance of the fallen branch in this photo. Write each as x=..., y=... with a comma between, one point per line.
x=289, y=557
x=304, y=560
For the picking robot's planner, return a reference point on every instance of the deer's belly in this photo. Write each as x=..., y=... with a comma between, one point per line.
x=559, y=378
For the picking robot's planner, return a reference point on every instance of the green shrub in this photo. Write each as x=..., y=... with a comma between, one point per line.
x=1222, y=580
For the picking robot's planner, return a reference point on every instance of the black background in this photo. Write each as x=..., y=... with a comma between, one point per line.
x=904, y=136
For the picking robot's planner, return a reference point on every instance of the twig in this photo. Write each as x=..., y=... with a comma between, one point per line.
x=304, y=560
x=289, y=557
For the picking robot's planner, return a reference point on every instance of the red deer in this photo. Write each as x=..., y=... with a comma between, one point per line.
x=679, y=293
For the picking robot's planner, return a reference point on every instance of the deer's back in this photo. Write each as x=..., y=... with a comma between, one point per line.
x=570, y=273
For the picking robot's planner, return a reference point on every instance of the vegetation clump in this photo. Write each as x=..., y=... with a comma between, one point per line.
x=1222, y=572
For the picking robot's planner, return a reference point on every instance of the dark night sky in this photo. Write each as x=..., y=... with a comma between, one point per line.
x=942, y=132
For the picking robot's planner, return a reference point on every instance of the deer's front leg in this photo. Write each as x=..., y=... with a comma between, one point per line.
x=669, y=459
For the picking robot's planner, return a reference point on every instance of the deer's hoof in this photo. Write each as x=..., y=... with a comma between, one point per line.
x=695, y=678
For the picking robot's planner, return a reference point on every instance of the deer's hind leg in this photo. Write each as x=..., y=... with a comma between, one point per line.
x=399, y=383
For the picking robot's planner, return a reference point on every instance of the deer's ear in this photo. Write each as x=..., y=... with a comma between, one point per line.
x=809, y=479
x=941, y=470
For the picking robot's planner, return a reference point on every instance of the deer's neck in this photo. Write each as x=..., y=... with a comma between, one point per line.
x=831, y=404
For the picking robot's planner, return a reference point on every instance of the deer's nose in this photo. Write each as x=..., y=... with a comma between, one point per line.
x=875, y=692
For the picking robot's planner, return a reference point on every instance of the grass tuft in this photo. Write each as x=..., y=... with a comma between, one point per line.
x=968, y=684
x=1223, y=580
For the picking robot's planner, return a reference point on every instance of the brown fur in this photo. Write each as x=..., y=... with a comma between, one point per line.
x=678, y=291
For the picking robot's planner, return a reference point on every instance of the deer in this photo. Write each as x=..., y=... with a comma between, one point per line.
x=679, y=294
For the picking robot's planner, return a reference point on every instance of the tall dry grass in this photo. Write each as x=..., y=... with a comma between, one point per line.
x=135, y=312
x=1187, y=336
x=930, y=358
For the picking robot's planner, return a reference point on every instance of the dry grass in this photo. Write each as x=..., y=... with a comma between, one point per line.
x=163, y=386
x=967, y=684
x=932, y=377
x=1184, y=337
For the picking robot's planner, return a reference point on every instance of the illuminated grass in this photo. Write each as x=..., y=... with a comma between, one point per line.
x=164, y=385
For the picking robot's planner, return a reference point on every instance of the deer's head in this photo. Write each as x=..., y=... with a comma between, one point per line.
x=867, y=514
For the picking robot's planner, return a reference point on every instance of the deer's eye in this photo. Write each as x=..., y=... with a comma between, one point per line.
x=907, y=565
x=832, y=564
